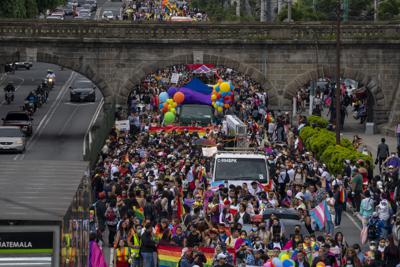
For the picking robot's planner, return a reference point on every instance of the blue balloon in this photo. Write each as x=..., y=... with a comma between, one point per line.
x=163, y=97
x=287, y=263
x=217, y=89
x=223, y=94
x=160, y=106
x=229, y=93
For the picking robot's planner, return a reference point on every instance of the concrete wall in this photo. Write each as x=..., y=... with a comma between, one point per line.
x=282, y=58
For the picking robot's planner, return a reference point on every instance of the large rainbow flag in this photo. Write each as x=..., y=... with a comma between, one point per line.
x=179, y=129
x=169, y=256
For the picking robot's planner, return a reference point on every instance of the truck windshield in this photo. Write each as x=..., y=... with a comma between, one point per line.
x=241, y=169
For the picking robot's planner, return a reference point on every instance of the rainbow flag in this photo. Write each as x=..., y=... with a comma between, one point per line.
x=169, y=256
x=342, y=196
x=139, y=213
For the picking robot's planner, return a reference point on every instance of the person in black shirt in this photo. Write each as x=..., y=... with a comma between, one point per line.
x=148, y=247
x=194, y=237
x=221, y=258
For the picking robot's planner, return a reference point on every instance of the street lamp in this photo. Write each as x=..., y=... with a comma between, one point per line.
x=337, y=92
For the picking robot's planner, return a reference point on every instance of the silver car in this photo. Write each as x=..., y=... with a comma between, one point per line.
x=12, y=139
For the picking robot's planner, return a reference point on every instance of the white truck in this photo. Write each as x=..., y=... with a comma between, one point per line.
x=239, y=167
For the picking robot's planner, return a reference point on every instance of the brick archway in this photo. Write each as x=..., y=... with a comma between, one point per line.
x=367, y=81
x=217, y=60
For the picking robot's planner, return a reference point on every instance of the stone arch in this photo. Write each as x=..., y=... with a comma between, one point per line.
x=81, y=68
x=376, y=93
x=217, y=60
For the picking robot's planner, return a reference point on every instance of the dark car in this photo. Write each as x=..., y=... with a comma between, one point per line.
x=23, y=65
x=201, y=114
x=21, y=119
x=289, y=218
x=83, y=91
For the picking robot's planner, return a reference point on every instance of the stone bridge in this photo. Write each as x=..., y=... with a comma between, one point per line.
x=117, y=55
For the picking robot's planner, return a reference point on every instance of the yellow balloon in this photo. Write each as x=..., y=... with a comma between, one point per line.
x=173, y=110
x=284, y=257
x=174, y=104
x=169, y=101
x=213, y=97
x=219, y=109
x=225, y=87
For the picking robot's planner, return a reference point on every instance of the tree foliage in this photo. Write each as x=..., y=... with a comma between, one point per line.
x=26, y=8
x=388, y=9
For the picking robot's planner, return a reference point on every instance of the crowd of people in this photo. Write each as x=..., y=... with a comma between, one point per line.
x=153, y=189
x=139, y=10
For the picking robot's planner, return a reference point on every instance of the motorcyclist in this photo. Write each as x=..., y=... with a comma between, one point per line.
x=51, y=74
x=9, y=87
x=9, y=91
x=32, y=98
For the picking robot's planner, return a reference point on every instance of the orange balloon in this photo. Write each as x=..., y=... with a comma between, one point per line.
x=179, y=97
x=164, y=109
x=166, y=106
x=226, y=105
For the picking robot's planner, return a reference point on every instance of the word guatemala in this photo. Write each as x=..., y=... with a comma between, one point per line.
x=13, y=244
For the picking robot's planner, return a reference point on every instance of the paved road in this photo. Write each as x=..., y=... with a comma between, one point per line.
x=59, y=126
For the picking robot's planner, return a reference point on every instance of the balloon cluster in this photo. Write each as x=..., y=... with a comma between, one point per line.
x=283, y=261
x=168, y=105
x=221, y=96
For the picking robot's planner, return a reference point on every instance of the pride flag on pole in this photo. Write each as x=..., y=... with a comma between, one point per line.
x=320, y=214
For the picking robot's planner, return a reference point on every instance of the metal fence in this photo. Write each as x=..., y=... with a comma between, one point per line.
x=97, y=134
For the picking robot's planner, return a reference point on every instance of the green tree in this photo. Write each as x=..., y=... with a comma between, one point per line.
x=31, y=8
x=300, y=12
x=388, y=9
x=42, y=5
x=12, y=9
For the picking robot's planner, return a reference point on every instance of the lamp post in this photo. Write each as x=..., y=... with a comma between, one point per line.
x=337, y=92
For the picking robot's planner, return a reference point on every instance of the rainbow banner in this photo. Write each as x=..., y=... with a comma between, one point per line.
x=180, y=129
x=169, y=256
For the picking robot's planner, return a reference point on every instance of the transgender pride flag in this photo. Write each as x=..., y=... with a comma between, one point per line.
x=320, y=214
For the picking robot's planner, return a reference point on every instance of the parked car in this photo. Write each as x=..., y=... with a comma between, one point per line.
x=108, y=15
x=55, y=17
x=87, y=7
x=20, y=119
x=12, y=139
x=83, y=91
x=84, y=13
x=93, y=4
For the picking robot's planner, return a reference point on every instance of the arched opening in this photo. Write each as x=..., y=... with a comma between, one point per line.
x=361, y=97
x=63, y=112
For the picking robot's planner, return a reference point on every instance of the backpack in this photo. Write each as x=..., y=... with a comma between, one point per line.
x=111, y=216
x=372, y=232
x=287, y=178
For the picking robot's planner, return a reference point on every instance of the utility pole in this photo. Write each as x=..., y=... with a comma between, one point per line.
x=337, y=92
x=289, y=11
x=263, y=9
x=375, y=10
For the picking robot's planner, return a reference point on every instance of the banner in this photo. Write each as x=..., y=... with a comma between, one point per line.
x=26, y=242
x=122, y=125
x=169, y=256
x=209, y=151
x=175, y=78
x=179, y=129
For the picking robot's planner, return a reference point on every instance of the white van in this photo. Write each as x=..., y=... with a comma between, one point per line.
x=239, y=167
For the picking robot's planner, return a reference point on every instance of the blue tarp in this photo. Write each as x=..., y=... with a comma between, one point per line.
x=197, y=85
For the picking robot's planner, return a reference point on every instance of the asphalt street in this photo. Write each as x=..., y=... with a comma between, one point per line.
x=59, y=126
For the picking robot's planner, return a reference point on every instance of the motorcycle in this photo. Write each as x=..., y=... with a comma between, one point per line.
x=29, y=107
x=9, y=96
x=50, y=82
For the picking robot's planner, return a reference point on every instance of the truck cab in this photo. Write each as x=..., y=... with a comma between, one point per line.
x=200, y=114
x=238, y=167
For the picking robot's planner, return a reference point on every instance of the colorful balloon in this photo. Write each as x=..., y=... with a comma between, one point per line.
x=219, y=109
x=173, y=110
x=171, y=91
x=163, y=97
x=220, y=81
x=320, y=264
x=213, y=97
x=225, y=87
x=179, y=97
x=267, y=264
x=226, y=105
x=284, y=256
x=287, y=263
x=277, y=262
x=169, y=118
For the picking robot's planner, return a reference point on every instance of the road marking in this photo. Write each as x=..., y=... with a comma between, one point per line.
x=68, y=120
x=80, y=104
x=111, y=257
x=353, y=221
x=47, y=117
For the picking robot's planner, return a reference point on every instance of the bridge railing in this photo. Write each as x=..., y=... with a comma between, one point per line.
x=98, y=132
x=194, y=32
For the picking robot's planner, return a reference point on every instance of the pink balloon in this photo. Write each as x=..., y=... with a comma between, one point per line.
x=267, y=264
